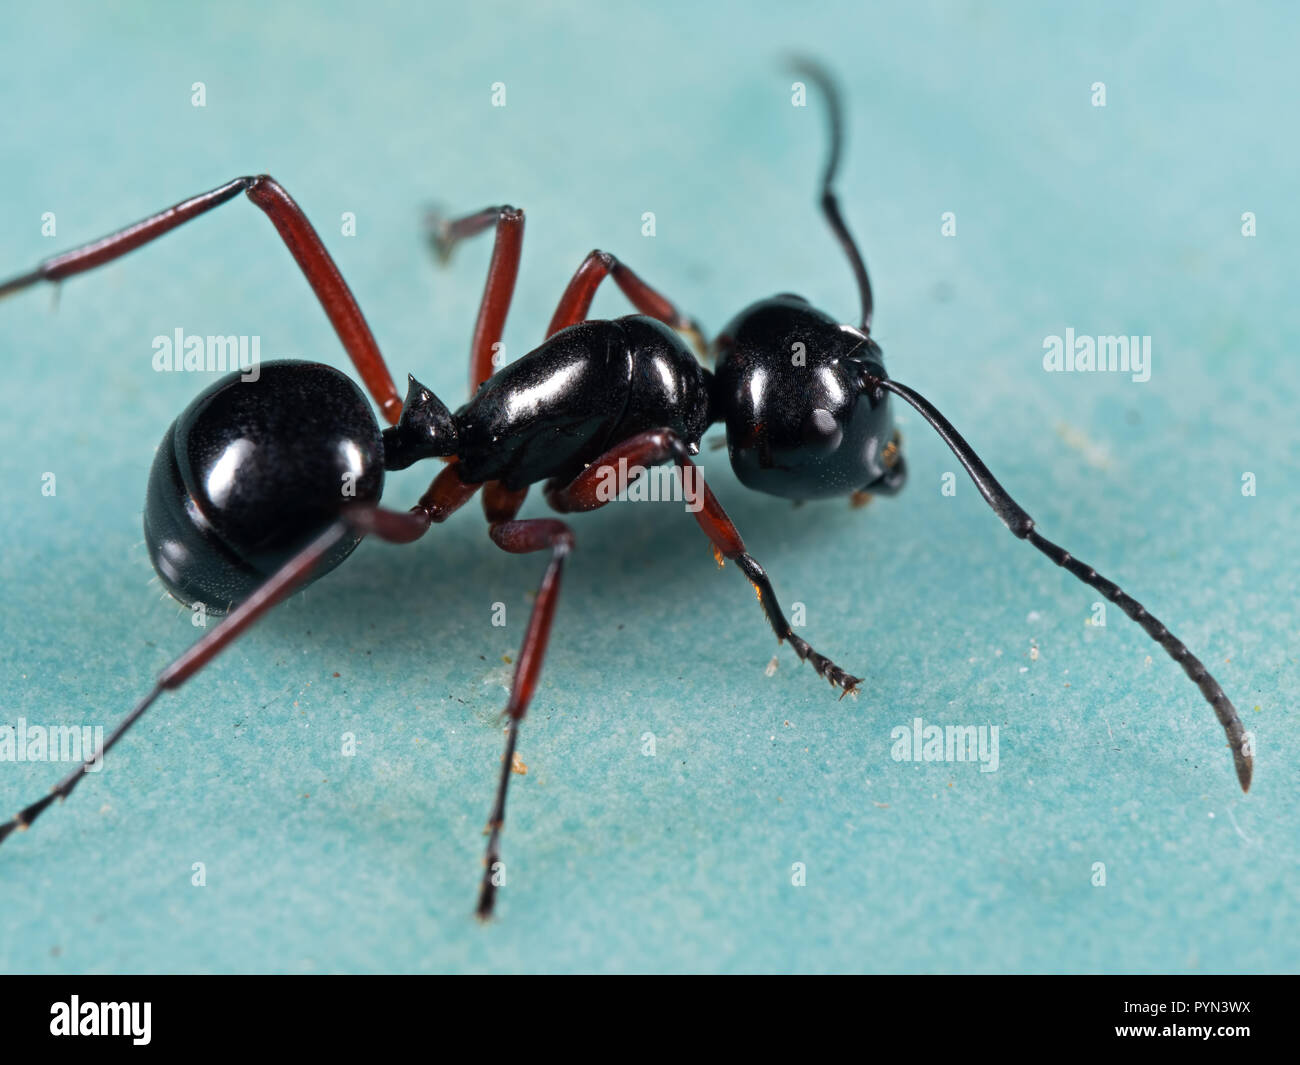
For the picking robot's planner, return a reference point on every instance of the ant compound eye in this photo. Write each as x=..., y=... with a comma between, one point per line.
x=821, y=430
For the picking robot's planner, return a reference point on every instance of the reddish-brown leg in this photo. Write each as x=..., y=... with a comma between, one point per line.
x=520, y=537
x=607, y=477
x=575, y=304
x=503, y=270
x=300, y=238
x=444, y=496
x=447, y=494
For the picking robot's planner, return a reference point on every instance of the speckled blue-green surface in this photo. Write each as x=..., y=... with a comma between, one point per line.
x=1123, y=219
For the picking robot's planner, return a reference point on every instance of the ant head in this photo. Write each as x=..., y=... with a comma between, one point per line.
x=800, y=424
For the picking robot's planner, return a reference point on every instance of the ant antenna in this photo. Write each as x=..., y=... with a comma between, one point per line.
x=1022, y=525
x=820, y=77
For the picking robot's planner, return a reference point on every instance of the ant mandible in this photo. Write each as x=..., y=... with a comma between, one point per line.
x=244, y=503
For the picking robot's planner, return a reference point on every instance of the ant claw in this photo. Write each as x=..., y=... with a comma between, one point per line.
x=437, y=232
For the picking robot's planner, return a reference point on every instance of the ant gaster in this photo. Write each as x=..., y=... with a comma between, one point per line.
x=244, y=503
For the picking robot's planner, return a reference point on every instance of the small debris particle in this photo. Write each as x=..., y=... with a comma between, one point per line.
x=1033, y=654
x=336, y=674
x=1033, y=617
x=1146, y=661
x=517, y=764
x=506, y=659
x=771, y=667
x=1095, y=455
x=880, y=805
x=1024, y=669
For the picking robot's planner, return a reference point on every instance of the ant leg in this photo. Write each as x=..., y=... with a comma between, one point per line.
x=445, y=495
x=299, y=237
x=575, y=304
x=520, y=537
x=591, y=489
x=444, y=235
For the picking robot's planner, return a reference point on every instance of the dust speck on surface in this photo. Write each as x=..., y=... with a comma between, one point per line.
x=1095, y=455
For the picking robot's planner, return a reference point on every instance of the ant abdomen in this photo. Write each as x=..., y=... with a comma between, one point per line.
x=257, y=466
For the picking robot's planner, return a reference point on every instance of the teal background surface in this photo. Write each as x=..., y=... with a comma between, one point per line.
x=1123, y=219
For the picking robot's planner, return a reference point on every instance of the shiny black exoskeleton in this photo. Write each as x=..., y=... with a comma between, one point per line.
x=788, y=385
x=251, y=471
x=561, y=406
x=265, y=484
x=254, y=469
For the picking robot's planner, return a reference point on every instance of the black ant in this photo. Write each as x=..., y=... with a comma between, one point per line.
x=245, y=504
